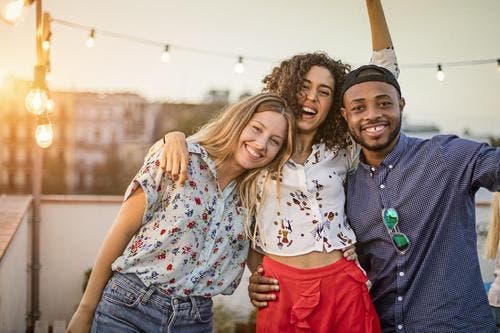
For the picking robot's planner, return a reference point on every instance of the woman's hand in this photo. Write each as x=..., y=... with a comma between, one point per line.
x=174, y=157
x=81, y=322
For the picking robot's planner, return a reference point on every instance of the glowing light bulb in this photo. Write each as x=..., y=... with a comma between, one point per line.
x=239, y=68
x=12, y=12
x=50, y=105
x=440, y=73
x=165, y=56
x=46, y=45
x=44, y=134
x=91, y=40
x=36, y=101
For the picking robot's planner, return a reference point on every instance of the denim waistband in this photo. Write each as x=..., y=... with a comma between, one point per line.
x=154, y=294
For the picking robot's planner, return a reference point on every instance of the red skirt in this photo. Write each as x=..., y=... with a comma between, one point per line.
x=332, y=298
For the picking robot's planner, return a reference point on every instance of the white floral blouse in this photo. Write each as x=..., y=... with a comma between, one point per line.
x=309, y=215
x=192, y=240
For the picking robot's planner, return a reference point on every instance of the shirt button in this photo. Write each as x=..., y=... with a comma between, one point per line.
x=401, y=273
x=400, y=327
x=382, y=186
x=390, y=166
x=400, y=298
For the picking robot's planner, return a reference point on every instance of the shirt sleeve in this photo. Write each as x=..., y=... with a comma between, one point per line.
x=386, y=58
x=477, y=164
x=151, y=179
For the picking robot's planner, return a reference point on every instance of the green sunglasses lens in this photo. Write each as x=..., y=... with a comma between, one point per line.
x=401, y=242
x=390, y=218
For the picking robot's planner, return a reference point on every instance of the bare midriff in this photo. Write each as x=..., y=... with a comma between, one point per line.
x=309, y=260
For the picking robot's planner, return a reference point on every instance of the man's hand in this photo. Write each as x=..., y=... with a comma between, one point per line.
x=174, y=157
x=260, y=288
x=350, y=253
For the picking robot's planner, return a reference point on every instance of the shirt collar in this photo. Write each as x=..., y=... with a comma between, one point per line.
x=196, y=148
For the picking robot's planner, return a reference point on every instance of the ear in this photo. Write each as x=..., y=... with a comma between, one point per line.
x=343, y=112
x=402, y=104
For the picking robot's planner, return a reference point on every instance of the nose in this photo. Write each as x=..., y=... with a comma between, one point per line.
x=311, y=95
x=372, y=112
x=261, y=142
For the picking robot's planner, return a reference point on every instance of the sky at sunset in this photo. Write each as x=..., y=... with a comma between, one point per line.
x=424, y=31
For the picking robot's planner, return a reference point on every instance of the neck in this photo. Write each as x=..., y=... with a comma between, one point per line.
x=303, y=147
x=227, y=171
x=376, y=157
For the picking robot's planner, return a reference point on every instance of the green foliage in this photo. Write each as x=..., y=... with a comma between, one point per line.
x=494, y=141
x=230, y=321
x=86, y=277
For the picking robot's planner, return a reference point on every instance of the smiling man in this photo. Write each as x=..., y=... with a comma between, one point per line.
x=411, y=205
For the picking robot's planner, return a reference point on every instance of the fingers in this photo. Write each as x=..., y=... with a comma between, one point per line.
x=350, y=253
x=261, y=288
x=174, y=159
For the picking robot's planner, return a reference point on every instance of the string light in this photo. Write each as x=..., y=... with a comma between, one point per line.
x=239, y=68
x=149, y=42
x=91, y=40
x=44, y=133
x=36, y=100
x=46, y=45
x=50, y=104
x=440, y=73
x=12, y=11
x=165, y=56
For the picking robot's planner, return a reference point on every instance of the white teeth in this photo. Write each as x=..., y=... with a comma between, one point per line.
x=308, y=110
x=375, y=128
x=252, y=152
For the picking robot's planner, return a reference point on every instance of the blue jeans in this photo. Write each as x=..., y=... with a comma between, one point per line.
x=127, y=305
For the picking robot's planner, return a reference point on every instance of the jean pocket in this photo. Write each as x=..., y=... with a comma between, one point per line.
x=121, y=294
x=204, y=311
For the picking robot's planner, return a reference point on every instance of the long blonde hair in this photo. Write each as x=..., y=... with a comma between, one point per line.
x=492, y=240
x=221, y=135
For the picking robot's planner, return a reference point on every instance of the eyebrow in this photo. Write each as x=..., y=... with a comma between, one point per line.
x=361, y=99
x=321, y=85
x=274, y=135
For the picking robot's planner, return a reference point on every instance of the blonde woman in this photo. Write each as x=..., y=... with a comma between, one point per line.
x=492, y=252
x=172, y=248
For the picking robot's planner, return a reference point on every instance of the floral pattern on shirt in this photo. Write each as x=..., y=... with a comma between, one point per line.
x=192, y=240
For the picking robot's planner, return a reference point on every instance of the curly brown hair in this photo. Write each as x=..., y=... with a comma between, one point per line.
x=286, y=80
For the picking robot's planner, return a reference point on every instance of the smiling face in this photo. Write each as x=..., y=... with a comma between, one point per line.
x=373, y=113
x=315, y=99
x=261, y=139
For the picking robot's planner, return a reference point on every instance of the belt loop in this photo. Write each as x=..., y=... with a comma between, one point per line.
x=194, y=305
x=147, y=295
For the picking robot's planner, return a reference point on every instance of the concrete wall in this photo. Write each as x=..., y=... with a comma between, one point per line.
x=14, y=281
x=71, y=233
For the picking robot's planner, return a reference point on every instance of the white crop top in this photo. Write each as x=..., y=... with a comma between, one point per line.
x=309, y=216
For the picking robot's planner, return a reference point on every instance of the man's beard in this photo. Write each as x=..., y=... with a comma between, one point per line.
x=377, y=147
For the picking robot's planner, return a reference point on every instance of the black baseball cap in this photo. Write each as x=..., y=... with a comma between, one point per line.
x=369, y=73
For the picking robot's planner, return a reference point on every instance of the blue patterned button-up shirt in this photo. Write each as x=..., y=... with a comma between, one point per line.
x=192, y=240
x=436, y=286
